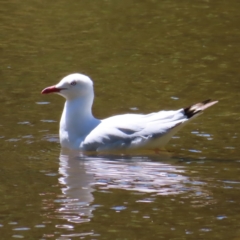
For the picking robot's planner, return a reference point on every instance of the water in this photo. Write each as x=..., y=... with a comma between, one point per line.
x=142, y=56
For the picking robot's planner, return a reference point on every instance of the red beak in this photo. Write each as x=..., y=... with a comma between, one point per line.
x=51, y=89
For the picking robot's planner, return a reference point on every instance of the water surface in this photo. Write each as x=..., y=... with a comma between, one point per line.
x=143, y=57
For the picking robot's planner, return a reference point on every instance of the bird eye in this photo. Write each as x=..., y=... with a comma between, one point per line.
x=73, y=83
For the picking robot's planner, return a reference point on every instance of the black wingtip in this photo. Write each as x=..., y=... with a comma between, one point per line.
x=199, y=107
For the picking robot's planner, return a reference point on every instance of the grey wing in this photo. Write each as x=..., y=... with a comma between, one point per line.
x=106, y=137
x=133, y=131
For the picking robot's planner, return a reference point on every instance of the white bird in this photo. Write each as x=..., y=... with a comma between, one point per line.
x=80, y=130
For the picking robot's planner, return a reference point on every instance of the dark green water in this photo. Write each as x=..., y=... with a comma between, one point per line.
x=143, y=56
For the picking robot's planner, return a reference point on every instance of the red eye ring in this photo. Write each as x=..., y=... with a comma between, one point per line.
x=73, y=83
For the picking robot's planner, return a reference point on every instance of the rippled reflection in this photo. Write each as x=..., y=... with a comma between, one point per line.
x=81, y=175
x=76, y=182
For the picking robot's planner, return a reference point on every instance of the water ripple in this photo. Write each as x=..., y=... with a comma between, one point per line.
x=81, y=175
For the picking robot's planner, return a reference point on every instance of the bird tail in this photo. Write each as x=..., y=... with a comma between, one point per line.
x=198, y=107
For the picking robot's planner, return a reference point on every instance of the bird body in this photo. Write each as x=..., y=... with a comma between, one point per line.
x=80, y=130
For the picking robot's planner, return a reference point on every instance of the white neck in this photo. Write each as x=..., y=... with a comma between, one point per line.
x=76, y=121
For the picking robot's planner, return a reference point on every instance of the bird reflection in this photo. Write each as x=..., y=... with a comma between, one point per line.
x=76, y=182
x=81, y=175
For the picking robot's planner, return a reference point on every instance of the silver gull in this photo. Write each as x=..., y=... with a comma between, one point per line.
x=80, y=130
